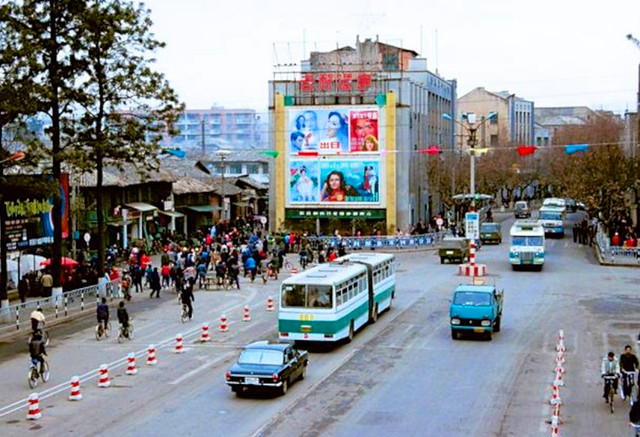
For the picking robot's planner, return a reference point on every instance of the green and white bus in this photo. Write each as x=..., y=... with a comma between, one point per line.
x=332, y=301
x=527, y=244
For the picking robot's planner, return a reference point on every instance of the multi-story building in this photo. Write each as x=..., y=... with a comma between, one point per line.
x=211, y=129
x=554, y=118
x=351, y=131
x=513, y=124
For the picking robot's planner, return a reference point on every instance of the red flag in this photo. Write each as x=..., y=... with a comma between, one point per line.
x=526, y=150
x=432, y=150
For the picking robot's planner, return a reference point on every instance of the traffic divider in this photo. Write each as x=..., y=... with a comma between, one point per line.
x=103, y=380
x=151, y=356
x=34, y=412
x=246, y=314
x=75, y=395
x=178, y=348
x=204, y=336
x=224, y=326
x=270, y=304
x=131, y=364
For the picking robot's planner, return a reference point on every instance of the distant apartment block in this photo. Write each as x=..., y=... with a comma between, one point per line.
x=514, y=123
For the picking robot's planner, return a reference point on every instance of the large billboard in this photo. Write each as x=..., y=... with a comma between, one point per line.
x=333, y=130
x=335, y=156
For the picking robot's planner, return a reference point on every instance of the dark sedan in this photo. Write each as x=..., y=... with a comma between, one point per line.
x=267, y=364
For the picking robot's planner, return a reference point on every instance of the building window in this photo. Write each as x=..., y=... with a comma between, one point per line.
x=253, y=168
x=235, y=168
x=494, y=119
x=493, y=141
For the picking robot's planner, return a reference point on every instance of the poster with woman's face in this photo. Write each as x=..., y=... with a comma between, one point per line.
x=350, y=181
x=364, y=131
x=324, y=131
x=304, y=182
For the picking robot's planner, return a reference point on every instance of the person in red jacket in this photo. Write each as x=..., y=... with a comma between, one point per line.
x=615, y=240
x=165, y=272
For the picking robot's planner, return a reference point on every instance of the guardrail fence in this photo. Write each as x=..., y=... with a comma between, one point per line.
x=381, y=242
x=16, y=317
x=615, y=254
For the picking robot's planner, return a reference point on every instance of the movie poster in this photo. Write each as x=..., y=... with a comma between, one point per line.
x=349, y=181
x=304, y=182
x=364, y=131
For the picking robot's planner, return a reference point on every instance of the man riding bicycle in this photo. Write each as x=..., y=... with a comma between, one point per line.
x=37, y=350
x=628, y=364
x=103, y=313
x=610, y=367
x=123, y=318
x=37, y=320
x=186, y=296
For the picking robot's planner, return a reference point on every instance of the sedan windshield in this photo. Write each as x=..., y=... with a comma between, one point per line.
x=546, y=215
x=472, y=299
x=526, y=241
x=261, y=356
x=489, y=227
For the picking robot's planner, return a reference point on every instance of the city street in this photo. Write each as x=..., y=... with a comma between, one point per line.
x=403, y=375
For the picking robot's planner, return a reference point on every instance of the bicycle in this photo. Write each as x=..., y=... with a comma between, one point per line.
x=610, y=379
x=184, y=317
x=102, y=330
x=125, y=333
x=630, y=383
x=45, y=336
x=35, y=373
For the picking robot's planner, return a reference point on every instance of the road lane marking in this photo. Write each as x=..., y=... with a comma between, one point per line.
x=201, y=368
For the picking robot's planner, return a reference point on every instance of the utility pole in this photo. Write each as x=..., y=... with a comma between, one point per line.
x=635, y=41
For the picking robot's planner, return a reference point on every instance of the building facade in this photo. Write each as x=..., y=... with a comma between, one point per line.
x=210, y=129
x=513, y=124
x=350, y=134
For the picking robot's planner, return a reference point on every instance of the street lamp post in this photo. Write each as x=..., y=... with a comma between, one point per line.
x=471, y=127
x=472, y=269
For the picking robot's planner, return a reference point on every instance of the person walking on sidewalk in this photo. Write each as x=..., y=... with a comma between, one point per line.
x=155, y=283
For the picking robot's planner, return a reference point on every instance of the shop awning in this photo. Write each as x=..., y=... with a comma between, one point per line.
x=204, y=208
x=141, y=206
x=174, y=214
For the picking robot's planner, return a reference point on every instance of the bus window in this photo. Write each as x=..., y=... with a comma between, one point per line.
x=293, y=296
x=319, y=296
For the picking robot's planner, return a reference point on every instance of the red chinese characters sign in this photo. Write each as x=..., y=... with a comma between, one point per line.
x=328, y=82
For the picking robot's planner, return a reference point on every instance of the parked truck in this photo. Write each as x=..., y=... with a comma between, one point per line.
x=476, y=308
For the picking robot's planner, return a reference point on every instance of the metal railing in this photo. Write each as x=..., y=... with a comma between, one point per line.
x=615, y=254
x=16, y=317
x=382, y=242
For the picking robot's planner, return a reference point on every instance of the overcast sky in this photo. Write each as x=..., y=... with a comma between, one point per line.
x=553, y=52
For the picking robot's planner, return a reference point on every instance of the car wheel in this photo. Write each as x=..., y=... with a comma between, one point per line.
x=303, y=374
x=374, y=316
x=285, y=387
x=441, y=260
x=488, y=336
x=351, y=332
x=454, y=334
x=498, y=323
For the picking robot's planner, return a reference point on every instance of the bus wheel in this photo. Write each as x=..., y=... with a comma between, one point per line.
x=350, y=338
x=374, y=316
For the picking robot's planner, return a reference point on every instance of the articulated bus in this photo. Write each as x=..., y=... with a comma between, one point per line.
x=527, y=244
x=332, y=301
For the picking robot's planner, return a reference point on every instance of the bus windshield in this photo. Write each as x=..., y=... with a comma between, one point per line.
x=307, y=296
x=527, y=241
x=550, y=215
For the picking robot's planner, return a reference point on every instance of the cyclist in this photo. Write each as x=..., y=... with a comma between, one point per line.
x=123, y=318
x=186, y=296
x=628, y=363
x=103, y=313
x=221, y=271
x=250, y=266
x=303, y=258
x=610, y=367
x=37, y=350
x=37, y=320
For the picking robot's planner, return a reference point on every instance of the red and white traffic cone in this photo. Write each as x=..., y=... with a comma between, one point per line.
x=75, y=389
x=561, y=335
x=555, y=395
x=224, y=327
x=559, y=368
x=246, y=314
x=270, y=304
x=151, y=355
x=555, y=431
x=131, y=364
x=178, y=349
x=560, y=347
x=205, y=333
x=560, y=358
x=558, y=380
x=103, y=380
x=34, y=412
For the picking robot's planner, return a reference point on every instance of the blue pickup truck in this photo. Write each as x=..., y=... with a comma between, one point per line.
x=476, y=308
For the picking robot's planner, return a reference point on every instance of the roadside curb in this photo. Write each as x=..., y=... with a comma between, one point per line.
x=603, y=262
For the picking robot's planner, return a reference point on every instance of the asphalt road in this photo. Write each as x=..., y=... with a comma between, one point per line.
x=401, y=376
